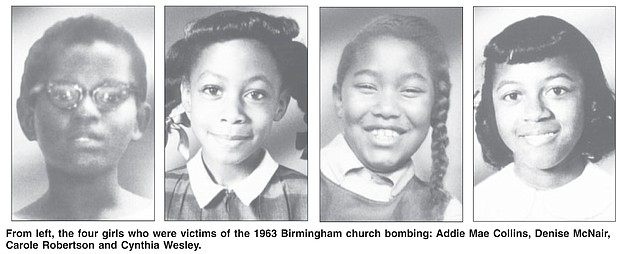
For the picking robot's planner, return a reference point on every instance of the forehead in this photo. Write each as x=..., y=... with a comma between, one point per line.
x=388, y=52
x=239, y=59
x=536, y=72
x=92, y=63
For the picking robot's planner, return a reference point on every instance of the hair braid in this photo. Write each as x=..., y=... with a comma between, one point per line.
x=439, y=143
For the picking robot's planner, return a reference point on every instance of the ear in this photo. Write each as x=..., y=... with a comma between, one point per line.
x=143, y=117
x=25, y=114
x=283, y=99
x=337, y=94
x=186, y=97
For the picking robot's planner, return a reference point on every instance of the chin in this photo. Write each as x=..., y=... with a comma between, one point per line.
x=544, y=161
x=385, y=166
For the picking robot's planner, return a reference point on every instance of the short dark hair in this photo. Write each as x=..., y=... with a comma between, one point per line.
x=533, y=40
x=277, y=33
x=74, y=31
x=422, y=33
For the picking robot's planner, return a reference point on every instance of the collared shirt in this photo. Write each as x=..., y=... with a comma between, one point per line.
x=270, y=192
x=205, y=189
x=505, y=197
x=340, y=165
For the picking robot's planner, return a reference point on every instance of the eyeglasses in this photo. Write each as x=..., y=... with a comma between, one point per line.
x=107, y=95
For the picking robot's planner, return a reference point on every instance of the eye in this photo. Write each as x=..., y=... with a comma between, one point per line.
x=256, y=95
x=211, y=90
x=411, y=92
x=366, y=87
x=110, y=96
x=64, y=92
x=512, y=96
x=557, y=91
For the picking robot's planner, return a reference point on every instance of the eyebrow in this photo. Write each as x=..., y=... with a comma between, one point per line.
x=559, y=75
x=410, y=75
x=207, y=72
x=549, y=78
x=259, y=77
x=366, y=72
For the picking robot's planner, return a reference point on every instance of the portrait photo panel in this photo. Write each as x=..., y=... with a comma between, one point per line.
x=399, y=126
x=544, y=105
x=83, y=94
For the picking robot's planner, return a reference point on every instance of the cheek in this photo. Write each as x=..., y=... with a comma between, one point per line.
x=261, y=117
x=202, y=112
x=50, y=123
x=506, y=117
x=355, y=105
x=419, y=110
x=123, y=119
x=571, y=115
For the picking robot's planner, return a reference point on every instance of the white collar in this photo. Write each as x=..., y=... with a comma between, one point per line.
x=588, y=197
x=205, y=189
x=338, y=162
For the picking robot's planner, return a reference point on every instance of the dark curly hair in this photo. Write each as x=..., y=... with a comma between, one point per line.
x=84, y=30
x=422, y=33
x=533, y=40
x=276, y=33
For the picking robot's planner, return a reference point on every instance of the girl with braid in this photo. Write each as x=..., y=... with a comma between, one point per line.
x=546, y=115
x=392, y=86
x=233, y=74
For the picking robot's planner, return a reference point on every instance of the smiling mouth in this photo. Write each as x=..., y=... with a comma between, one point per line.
x=539, y=139
x=384, y=133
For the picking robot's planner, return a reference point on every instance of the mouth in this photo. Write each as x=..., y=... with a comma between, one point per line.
x=538, y=139
x=86, y=139
x=385, y=135
x=231, y=140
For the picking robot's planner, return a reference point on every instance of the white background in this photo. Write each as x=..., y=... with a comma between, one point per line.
x=307, y=245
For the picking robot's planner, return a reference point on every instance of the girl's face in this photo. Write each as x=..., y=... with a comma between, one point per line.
x=87, y=136
x=539, y=109
x=386, y=100
x=233, y=96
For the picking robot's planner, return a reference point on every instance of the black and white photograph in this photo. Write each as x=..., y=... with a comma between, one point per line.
x=544, y=86
x=82, y=129
x=391, y=114
x=236, y=103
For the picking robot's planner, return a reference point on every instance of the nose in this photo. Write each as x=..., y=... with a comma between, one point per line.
x=233, y=112
x=536, y=110
x=386, y=105
x=87, y=109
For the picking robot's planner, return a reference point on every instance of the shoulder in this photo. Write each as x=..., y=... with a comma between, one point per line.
x=454, y=210
x=497, y=181
x=292, y=180
x=176, y=178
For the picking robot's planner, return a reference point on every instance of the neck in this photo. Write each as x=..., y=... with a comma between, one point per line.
x=544, y=179
x=82, y=196
x=228, y=174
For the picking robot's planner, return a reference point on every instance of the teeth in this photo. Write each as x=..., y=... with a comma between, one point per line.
x=539, y=139
x=384, y=133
